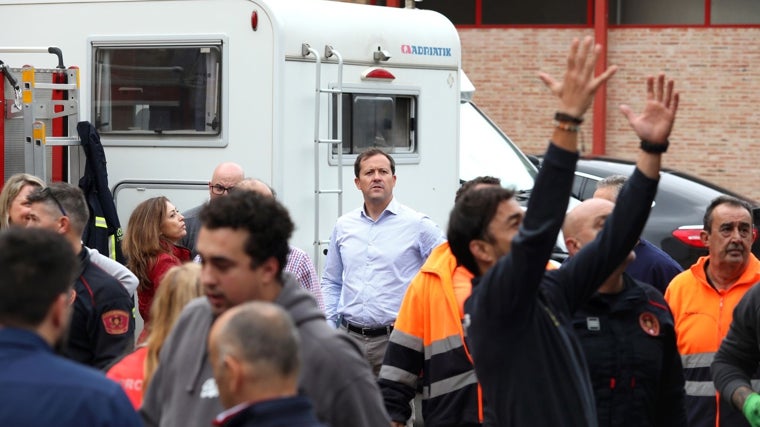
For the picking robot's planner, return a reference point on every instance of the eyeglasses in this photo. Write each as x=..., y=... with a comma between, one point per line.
x=47, y=192
x=219, y=189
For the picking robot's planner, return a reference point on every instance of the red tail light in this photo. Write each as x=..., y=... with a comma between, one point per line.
x=689, y=235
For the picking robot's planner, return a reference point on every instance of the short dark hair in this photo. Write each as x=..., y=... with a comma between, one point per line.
x=469, y=185
x=36, y=266
x=370, y=153
x=469, y=220
x=724, y=200
x=71, y=199
x=267, y=222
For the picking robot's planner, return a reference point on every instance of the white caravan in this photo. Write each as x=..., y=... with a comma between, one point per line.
x=175, y=87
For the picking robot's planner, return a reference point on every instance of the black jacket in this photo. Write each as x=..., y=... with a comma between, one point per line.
x=736, y=362
x=293, y=411
x=528, y=360
x=103, y=323
x=630, y=345
x=103, y=231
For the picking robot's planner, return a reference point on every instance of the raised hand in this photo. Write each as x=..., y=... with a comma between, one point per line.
x=656, y=120
x=577, y=88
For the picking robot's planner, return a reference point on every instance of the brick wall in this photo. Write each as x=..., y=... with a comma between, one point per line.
x=717, y=72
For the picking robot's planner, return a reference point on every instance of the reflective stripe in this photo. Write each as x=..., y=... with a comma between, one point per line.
x=449, y=385
x=707, y=388
x=100, y=222
x=699, y=388
x=112, y=247
x=697, y=360
x=444, y=345
x=392, y=373
x=406, y=340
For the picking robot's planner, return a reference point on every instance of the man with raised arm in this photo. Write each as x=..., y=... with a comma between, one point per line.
x=526, y=356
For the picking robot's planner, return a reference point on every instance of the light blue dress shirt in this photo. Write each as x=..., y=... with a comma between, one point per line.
x=370, y=263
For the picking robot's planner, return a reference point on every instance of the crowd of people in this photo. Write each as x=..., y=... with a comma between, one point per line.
x=239, y=330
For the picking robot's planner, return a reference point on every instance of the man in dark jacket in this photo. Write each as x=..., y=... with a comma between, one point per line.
x=737, y=360
x=103, y=325
x=37, y=387
x=243, y=242
x=526, y=356
x=628, y=338
x=253, y=349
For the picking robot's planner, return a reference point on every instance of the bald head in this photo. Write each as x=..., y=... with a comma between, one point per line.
x=253, y=349
x=227, y=174
x=255, y=185
x=584, y=222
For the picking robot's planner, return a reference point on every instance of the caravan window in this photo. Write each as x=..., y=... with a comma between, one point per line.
x=157, y=89
x=376, y=120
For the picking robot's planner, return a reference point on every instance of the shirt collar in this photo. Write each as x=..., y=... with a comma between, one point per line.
x=225, y=415
x=391, y=209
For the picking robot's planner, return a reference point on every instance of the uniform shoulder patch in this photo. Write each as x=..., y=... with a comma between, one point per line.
x=649, y=323
x=115, y=322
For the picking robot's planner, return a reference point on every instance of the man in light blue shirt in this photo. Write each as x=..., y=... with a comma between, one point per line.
x=374, y=253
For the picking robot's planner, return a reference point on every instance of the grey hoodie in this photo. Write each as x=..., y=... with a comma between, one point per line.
x=334, y=375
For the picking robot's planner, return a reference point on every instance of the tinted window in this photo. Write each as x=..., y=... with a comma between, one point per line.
x=460, y=12
x=535, y=12
x=374, y=120
x=157, y=89
x=656, y=11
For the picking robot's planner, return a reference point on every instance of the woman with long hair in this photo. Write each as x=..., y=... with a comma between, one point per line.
x=180, y=285
x=150, y=245
x=14, y=209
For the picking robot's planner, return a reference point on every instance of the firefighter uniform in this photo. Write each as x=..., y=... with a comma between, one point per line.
x=103, y=323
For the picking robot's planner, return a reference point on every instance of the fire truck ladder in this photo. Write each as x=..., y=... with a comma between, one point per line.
x=334, y=143
x=40, y=103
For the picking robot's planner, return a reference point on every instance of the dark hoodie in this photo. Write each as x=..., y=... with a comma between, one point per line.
x=334, y=375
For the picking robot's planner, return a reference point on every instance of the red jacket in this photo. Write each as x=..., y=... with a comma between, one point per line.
x=163, y=263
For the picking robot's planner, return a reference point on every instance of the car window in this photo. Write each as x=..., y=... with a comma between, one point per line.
x=584, y=185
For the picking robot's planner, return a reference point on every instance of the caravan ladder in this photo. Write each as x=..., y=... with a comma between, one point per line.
x=334, y=143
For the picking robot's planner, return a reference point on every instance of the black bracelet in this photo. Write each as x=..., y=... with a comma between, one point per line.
x=653, y=148
x=567, y=127
x=562, y=117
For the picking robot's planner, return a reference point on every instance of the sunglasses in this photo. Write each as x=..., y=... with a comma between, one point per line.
x=47, y=192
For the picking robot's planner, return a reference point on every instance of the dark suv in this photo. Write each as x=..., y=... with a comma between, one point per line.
x=676, y=218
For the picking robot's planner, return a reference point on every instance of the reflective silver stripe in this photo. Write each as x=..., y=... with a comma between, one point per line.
x=395, y=374
x=707, y=388
x=697, y=360
x=699, y=388
x=448, y=385
x=406, y=340
x=444, y=345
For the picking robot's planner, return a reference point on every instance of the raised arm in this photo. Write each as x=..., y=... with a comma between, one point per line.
x=583, y=274
x=654, y=124
x=515, y=278
x=576, y=91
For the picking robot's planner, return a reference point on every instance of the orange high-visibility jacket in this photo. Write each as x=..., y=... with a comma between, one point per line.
x=428, y=344
x=702, y=317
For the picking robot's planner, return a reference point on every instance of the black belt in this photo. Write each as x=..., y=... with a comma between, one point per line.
x=367, y=332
